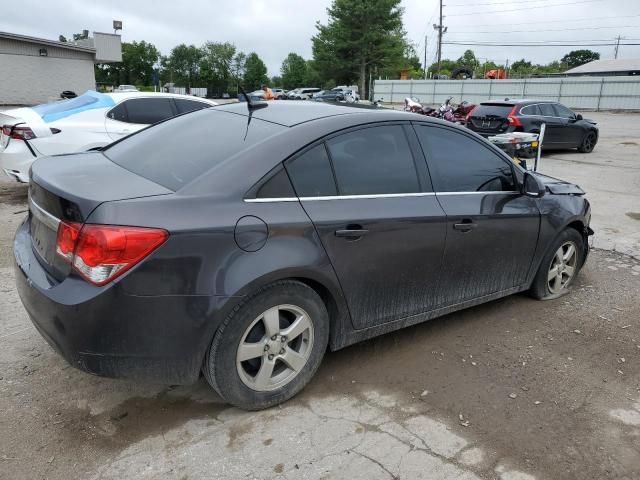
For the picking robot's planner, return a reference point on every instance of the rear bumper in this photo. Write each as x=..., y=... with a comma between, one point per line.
x=16, y=159
x=105, y=331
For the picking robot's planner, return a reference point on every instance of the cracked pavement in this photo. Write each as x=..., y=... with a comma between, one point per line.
x=513, y=390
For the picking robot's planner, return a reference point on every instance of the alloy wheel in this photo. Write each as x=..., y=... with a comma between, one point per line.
x=275, y=348
x=562, y=268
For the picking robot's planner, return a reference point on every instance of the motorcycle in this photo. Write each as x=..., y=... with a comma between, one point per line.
x=413, y=105
x=456, y=114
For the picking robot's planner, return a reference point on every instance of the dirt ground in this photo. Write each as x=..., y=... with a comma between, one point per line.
x=515, y=389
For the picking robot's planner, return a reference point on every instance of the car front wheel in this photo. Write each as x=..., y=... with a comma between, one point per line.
x=560, y=266
x=588, y=143
x=268, y=349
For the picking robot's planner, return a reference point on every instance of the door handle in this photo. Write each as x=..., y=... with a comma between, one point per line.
x=465, y=225
x=352, y=231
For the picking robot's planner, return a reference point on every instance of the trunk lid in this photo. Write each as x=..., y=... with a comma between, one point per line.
x=68, y=188
x=490, y=118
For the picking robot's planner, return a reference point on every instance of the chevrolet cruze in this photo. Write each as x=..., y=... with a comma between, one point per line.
x=242, y=241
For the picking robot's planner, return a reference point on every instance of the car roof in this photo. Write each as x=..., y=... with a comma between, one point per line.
x=515, y=101
x=292, y=113
x=120, y=96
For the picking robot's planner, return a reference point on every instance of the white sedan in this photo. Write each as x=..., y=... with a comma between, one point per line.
x=89, y=121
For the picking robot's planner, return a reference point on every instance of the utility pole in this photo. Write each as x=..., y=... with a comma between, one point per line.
x=617, y=46
x=425, y=57
x=441, y=30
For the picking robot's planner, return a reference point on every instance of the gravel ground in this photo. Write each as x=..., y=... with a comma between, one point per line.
x=514, y=389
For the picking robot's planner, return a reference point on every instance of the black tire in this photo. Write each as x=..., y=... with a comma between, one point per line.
x=220, y=368
x=588, y=142
x=540, y=287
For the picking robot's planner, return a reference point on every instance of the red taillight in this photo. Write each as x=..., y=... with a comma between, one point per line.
x=66, y=241
x=100, y=253
x=466, y=119
x=513, y=120
x=22, y=133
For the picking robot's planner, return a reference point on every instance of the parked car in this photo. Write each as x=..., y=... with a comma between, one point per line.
x=126, y=88
x=337, y=94
x=564, y=128
x=278, y=93
x=263, y=236
x=304, y=93
x=89, y=121
x=291, y=94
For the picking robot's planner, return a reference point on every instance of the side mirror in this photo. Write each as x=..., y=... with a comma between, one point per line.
x=532, y=187
x=578, y=117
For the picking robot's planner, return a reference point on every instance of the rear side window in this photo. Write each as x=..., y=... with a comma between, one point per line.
x=149, y=110
x=119, y=113
x=530, y=110
x=374, y=160
x=185, y=106
x=276, y=186
x=499, y=110
x=311, y=173
x=174, y=153
x=458, y=163
x=546, y=110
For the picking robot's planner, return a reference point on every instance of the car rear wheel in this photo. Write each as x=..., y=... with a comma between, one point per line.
x=560, y=266
x=588, y=143
x=268, y=349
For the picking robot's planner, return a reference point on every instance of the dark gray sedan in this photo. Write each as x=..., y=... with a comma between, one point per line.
x=243, y=240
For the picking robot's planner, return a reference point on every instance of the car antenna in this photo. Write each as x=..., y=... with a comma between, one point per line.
x=251, y=105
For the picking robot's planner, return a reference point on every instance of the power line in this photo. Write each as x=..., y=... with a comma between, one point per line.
x=558, y=21
x=495, y=3
x=481, y=44
x=547, y=42
x=555, y=30
x=523, y=8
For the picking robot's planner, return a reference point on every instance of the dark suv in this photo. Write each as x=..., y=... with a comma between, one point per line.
x=564, y=128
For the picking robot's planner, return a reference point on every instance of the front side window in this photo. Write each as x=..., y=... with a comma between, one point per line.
x=374, y=160
x=563, y=112
x=146, y=111
x=458, y=163
x=119, y=113
x=311, y=173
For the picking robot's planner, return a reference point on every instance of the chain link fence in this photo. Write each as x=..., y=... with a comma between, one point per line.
x=585, y=93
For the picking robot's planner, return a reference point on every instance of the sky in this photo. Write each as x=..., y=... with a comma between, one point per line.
x=274, y=28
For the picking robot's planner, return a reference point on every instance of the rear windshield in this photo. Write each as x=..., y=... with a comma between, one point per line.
x=175, y=152
x=89, y=100
x=492, y=110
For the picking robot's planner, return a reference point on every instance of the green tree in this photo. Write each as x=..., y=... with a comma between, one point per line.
x=276, y=81
x=217, y=66
x=293, y=71
x=183, y=65
x=313, y=77
x=468, y=59
x=576, y=58
x=255, y=72
x=359, y=36
x=521, y=67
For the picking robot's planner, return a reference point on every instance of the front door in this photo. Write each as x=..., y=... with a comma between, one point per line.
x=380, y=223
x=492, y=229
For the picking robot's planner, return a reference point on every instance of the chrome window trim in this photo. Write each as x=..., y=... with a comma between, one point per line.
x=544, y=116
x=371, y=196
x=44, y=216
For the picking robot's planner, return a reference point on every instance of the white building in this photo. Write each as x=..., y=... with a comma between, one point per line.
x=36, y=70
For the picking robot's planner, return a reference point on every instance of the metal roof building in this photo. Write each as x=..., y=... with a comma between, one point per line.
x=611, y=67
x=36, y=70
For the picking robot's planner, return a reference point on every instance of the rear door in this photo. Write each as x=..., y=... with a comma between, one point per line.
x=492, y=229
x=380, y=223
x=133, y=114
x=554, y=130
